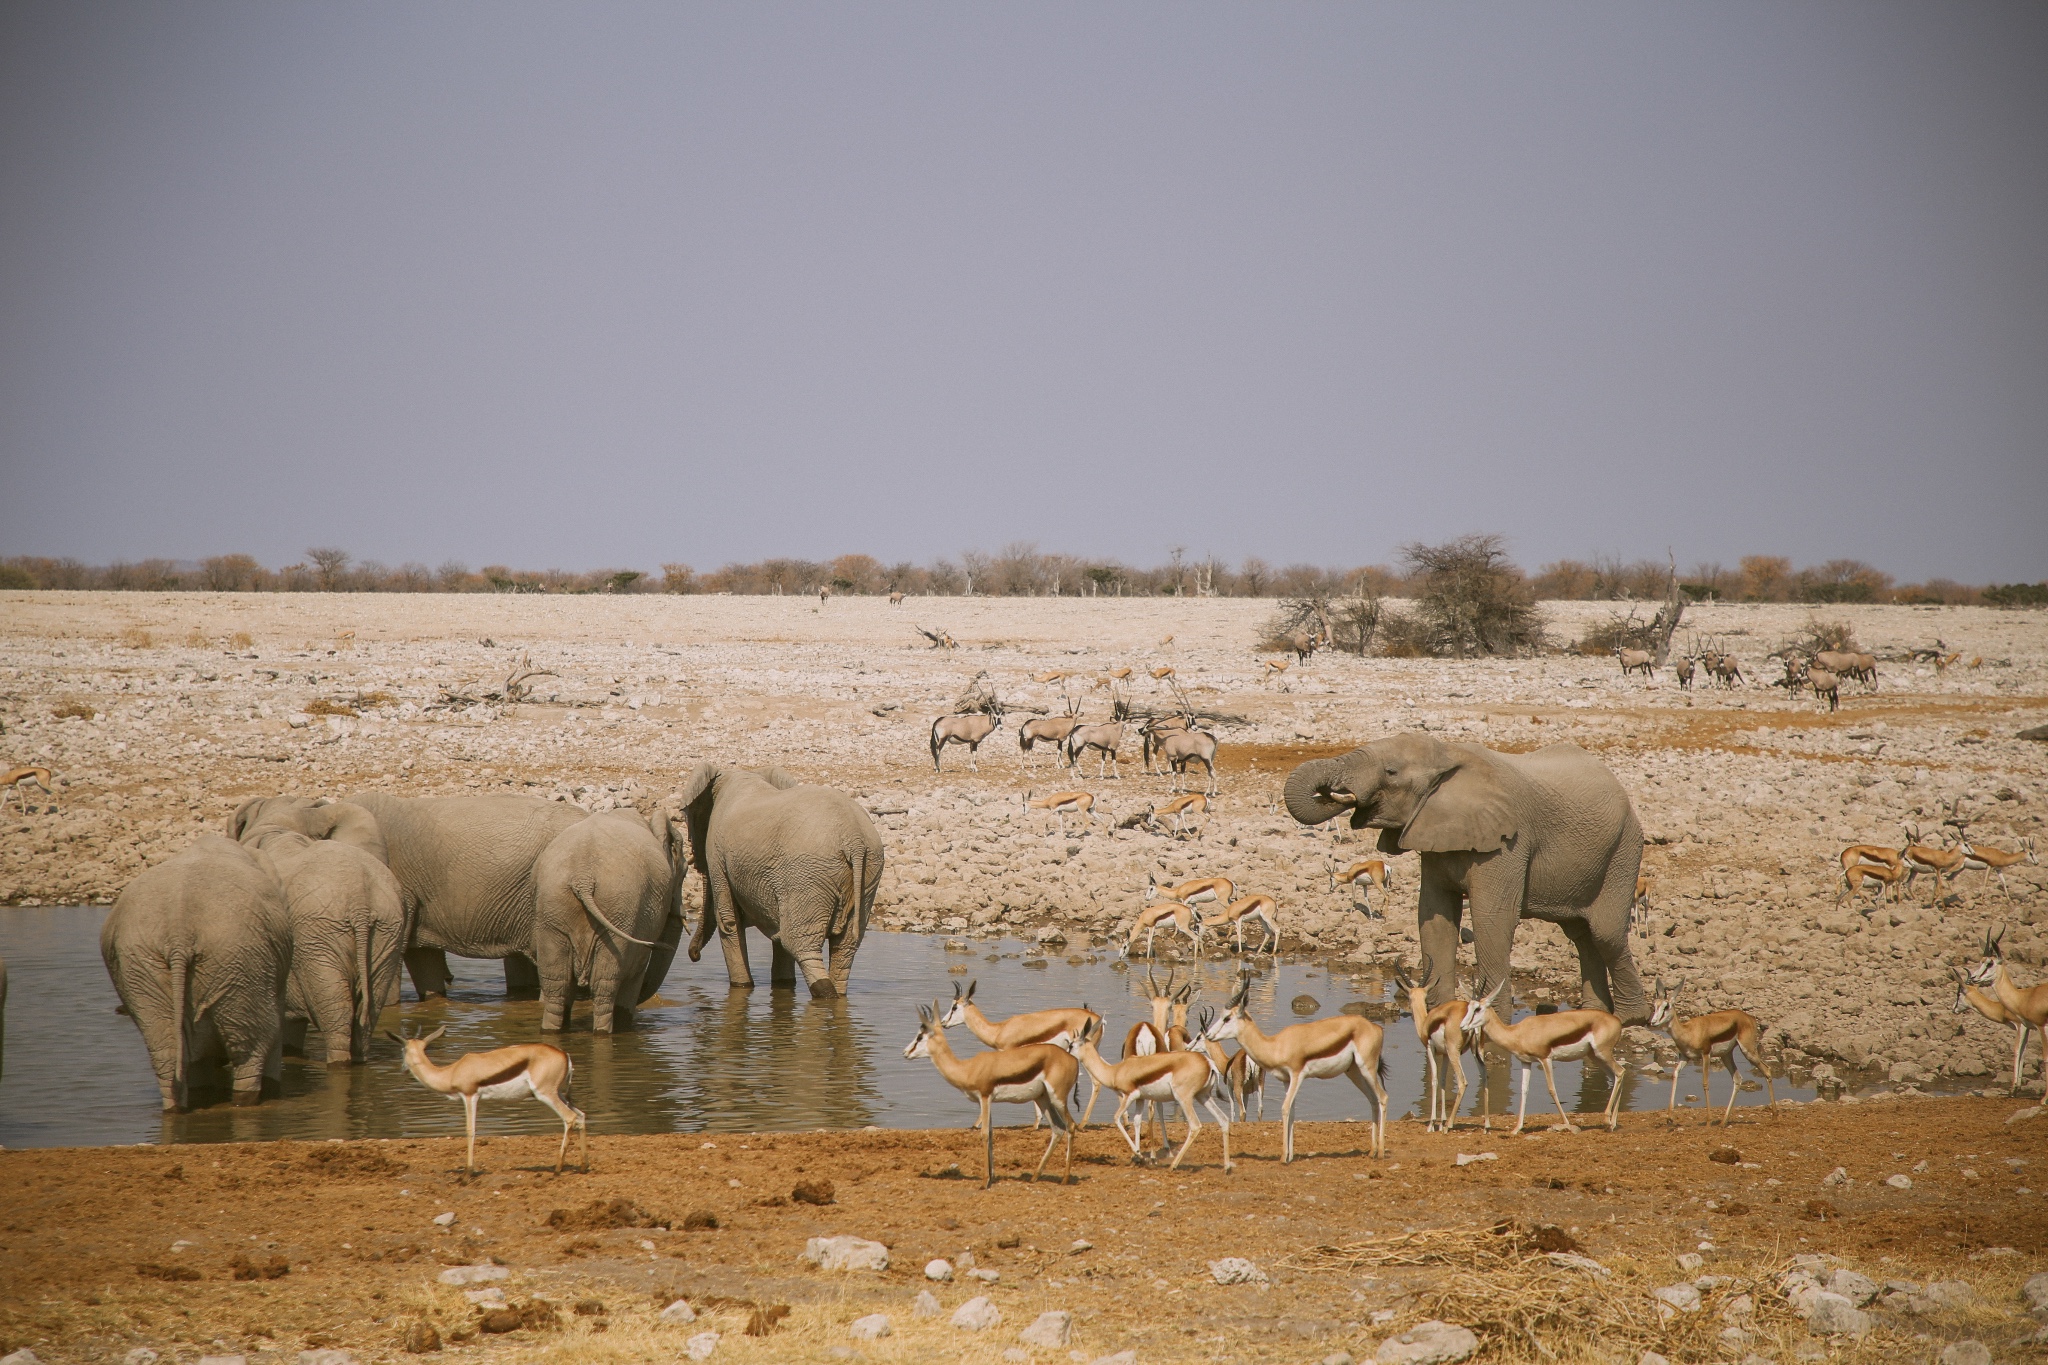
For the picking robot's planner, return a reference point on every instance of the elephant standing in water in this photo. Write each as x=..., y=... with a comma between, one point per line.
x=610, y=914
x=198, y=948
x=1548, y=835
x=348, y=939
x=801, y=864
x=465, y=864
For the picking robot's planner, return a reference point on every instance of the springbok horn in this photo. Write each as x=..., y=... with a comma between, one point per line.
x=432, y=1036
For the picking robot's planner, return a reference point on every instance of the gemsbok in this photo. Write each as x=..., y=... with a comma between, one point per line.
x=1636, y=661
x=1051, y=730
x=1190, y=746
x=1320, y=1049
x=1037, y=1074
x=970, y=729
x=1705, y=1039
x=1152, y=736
x=504, y=1073
x=1540, y=1039
x=1104, y=740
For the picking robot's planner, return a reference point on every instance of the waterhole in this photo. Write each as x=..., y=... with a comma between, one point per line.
x=703, y=1058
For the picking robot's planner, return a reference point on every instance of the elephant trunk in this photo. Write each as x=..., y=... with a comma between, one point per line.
x=1308, y=792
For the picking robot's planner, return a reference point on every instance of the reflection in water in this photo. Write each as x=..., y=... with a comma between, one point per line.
x=702, y=1058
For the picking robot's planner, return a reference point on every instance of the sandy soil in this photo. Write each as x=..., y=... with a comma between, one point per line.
x=1746, y=794
x=274, y=1248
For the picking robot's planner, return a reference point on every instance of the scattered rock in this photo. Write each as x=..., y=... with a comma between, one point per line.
x=1965, y=1352
x=1049, y=1330
x=443, y=1220
x=1338, y=1358
x=679, y=1311
x=1829, y=1314
x=701, y=1346
x=1727, y=1156
x=846, y=1253
x=938, y=1268
x=1836, y=1178
x=978, y=1314
x=926, y=1304
x=985, y=1276
x=1652, y=1358
x=1899, y=1182
x=1120, y=1358
x=1080, y=1245
x=1857, y=1289
x=141, y=1355
x=1017, y=1355
x=1305, y=1004
x=1950, y=1293
x=1236, y=1270
x=1467, y=1158
x=206, y=1360
x=493, y=1297
x=1690, y=1262
x=1571, y=1261
x=2035, y=1292
x=873, y=1327
x=818, y=1192
x=2022, y=1115
x=421, y=1338
x=327, y=1356
x=1677, y=1298
x=1428, y=1343
x=22, y=1357
x=473, y=1274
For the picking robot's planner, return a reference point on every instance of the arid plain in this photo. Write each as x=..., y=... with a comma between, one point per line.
x=160, y=713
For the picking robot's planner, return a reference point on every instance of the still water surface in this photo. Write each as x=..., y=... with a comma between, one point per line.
x=703, y=1057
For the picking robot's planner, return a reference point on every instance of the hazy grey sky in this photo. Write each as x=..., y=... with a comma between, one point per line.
x=583, y=285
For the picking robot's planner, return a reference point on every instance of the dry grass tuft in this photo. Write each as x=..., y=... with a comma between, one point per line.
x=195, y=638
x=241, y=639
x=368, y=700
x=321, y=706
x=135, y=637
x=67, y=708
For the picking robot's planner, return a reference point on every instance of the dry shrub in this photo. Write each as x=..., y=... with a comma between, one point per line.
x=1472, y=599
x=321, y=706
x=242, y=1268
x=819, y=1192
x=135, y=637
x=1404, y=636
x=1617, y=632
x=602, y=1214
x=241, y=639
x=67, y=708
x=195, y=638
x=1820, y=636
x=151, y=1270
x=373, y=699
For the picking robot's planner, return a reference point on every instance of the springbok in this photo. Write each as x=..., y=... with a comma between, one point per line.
x=1059, y=803
x=501, y=1074
x=1362, y=876
x=1051, y=730
x=1058, y=1027
x=1036, y=1074
x=1184, y=1078
x=1180, y=807
x=1969, y=997
x=1704, y=1038
x=1192, y=892
x=1190, y=746
x=1104, y=739
x=1939, y=863
x=1260, y=909
x=1270, y=669
x=1541, y=1039
x=1317, y=1050
x=1180, y=915
x=1165, y=1031
x=1994, y=861
x=969, y=729
x=1442, y=1034
x=2027, y=1008
x=15, y=779
x=1876, y=874
x=1639, y=908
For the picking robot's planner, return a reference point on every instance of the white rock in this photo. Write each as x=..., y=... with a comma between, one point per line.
x=1572, y=1261
x=1652, y=1358
x=474, y=1274
x=1467, y=1158
x=679, y=1311
x=873, y=1327
x=985, y=1276
x=493, y=1296
x=1691, y=1261
x=1835, y=1178
x=846, y=1253
x=1857, y=1289
x=976, y=1315
x=442, y=1220
x=2035, y=1292
x=329, y=1356
x=1080, y=1245
x=22, y=1357
x=212, y=1360
x=1338, y=1358
x=1016, y=1355
x=1049, y=1330
x=701, y=1346
x=141, y=1355
x=1966, y=1352
x=1829, y=1314
x=1684, y=1298
x=1428, y=1343
x=1120, y=1358
x=1951, y=1293
x=1236, y=1270
x=1899, y=1182
x=926, y=1304
x=938, y=1268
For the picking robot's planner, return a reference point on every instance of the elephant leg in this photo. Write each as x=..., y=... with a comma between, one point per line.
x=781, y=967
x=428, y=968
x=1496, y=892
x=732, y=934
x=522, y=978
x=1439, y=911
x=1594, y=993
x=1606, y=922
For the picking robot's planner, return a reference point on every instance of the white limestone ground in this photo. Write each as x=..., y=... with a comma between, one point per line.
x=1746, y=795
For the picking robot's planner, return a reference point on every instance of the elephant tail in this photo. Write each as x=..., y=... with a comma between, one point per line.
x=366, y=1006
x=849, y=909
x=604, y=926
x=180, y=967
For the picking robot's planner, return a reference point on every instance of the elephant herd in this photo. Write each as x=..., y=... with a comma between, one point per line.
x=299, y=919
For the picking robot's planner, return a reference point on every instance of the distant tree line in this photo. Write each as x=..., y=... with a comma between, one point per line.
x=1022, y=570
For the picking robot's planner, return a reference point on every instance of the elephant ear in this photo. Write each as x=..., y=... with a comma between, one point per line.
x=1468, y=810
x=699, y=782
x=240, y=819
x=777, y=778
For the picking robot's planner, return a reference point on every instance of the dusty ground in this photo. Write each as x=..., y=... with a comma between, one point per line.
x=88, y=1238
x=198, y=701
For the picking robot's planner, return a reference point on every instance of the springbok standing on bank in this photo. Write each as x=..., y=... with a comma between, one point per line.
x=1260, y=909
x=1192, y=892
x=1036, y=1074
x=1943, y=864
x=1317, y=1050
x=1702, y=1040
x=1051, y=730
x=1441, y=1031
x=1104, y=739
x=1059, y=803
x=1969, y=997
x=1362, y=876
x=1056, y=1027
x=1176, y=913
x=1183, y=1078
x=15, y=779
x=1541, y=1039
x=1639, y=908
x=501, y=1074
x=2026, y=1007
x=1190, y=746
x=1994, y=861
x=970, y=730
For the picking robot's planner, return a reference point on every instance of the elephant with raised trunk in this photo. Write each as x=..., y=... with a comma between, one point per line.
x=1547, y=835
x=800, y=864
x=198, y=948
x=610, y=914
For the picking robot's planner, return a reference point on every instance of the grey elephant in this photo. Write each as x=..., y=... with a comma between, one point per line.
x=609, y=915
x=349, y=933
x=800, y=864
x=1547, y=835
x=465, y=864
x=316, y=817
x=198, y=948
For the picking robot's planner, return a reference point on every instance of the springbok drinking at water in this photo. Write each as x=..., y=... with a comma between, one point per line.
x=503, y=1073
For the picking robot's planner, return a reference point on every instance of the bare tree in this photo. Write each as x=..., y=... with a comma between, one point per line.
x=329, y=564
x=1472, y=598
